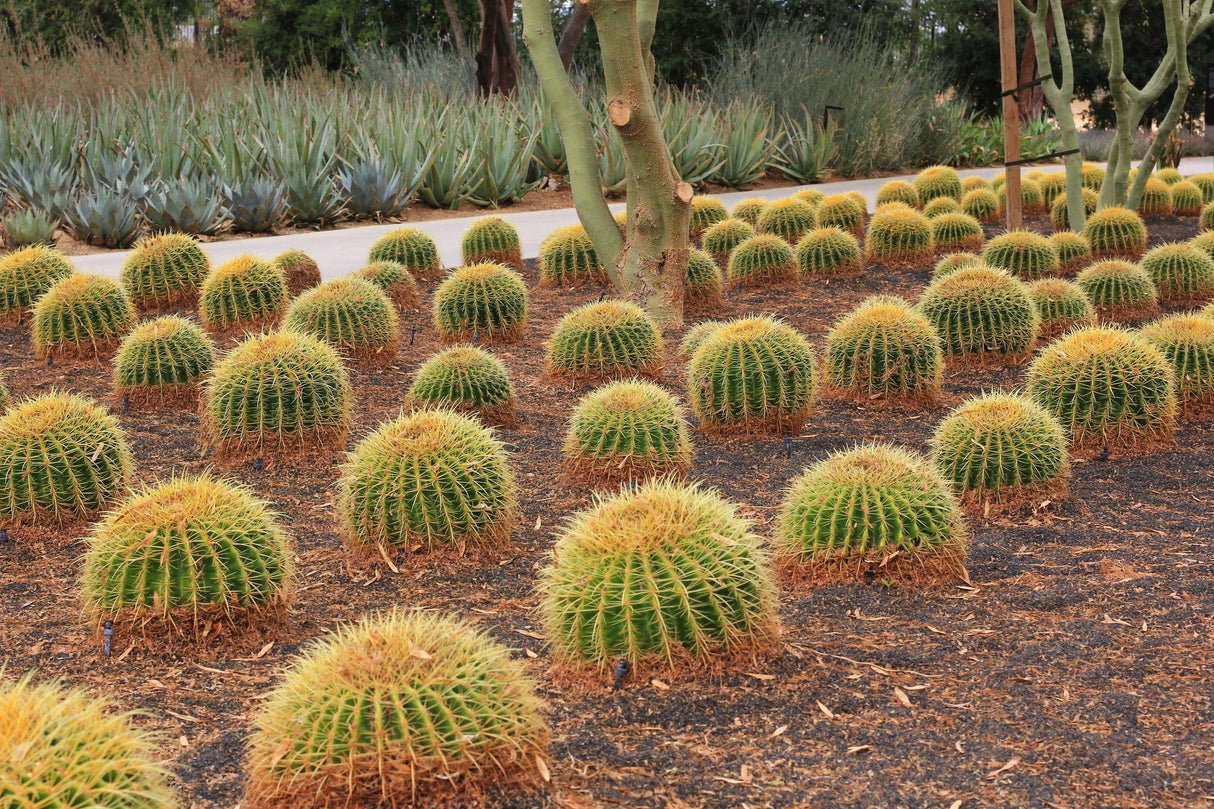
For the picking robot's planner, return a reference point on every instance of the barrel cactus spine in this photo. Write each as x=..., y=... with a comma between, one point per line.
x=829, y=253
x=1182, y=273
x=300, y=271
x=1060, y=216
x=1156, y=199
x=720, y=240
x=843, y=212
x=165, y=271
x=898, y=191
x=789, y=219
x=603, y=340
x=492, y=240
x=83, y=316
x=1187, y=341
x=1187, y=199
x=27, y=273
x=162, y=362
x=938, y=181
x=704, y=283
x=1061, y=305
x=982, y=204
x=396, y=283
x=705, y=212
x=467, y=379
x=957, y=232
x=1120, y=292
x=900, y=239
x=1116, y=233
x=353, y=316
x=749, y=210
x=939, y=207
x=481, y=302
x=567, y=255
x=762, y=260
x=242, y=295
x=982, y=314
x=412, y=249
x=1074, y=252
x=884, y=348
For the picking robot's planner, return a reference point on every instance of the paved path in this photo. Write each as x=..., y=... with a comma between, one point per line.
x=339, y=252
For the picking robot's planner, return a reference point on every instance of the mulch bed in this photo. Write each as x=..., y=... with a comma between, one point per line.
x=1073, y=672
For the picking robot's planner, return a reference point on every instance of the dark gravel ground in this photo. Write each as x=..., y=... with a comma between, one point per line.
x=1073, y=672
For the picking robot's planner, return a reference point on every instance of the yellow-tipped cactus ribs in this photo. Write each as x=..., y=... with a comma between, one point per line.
x=1187, y=341
x=1022, y=253
x=165, y=271
x=605, y=339
x=982, y=204
x=162, y=361
x=938, y=181
x=1120, y=291
x=900, y=238
x=957, y=232
x=705, y=212
x=567, y=256
x=351, y=315
x=481, y=302
x=790, y=219
x=662, y=574
x=749, y=210
x=937, y=207
x=884, y=348
x=704, y=284
x=82, y=316
x=433, y=477
x=396, y=283
x=1116, y=233
x=762, y=260
x=467, y=379
x=829, y=253
x=1182, y=273
x=952, y=262
x=411, y=248
x=844, y=212
x=492, y=240
x=1187, y=199
x=1156, y=199
x=1060, y=214
x=1074, y=252
x=400, y=709
x=720, y=240
x=1061, y=305
x=242, y=295
x=898, y=191
x=25, y=275
x=981, y=312
x=299, y=271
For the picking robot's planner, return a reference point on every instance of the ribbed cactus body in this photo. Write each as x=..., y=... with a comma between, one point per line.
x=1105, y=385
x=607, y=591
x=467, y=379
x=982, y=204
x=1116, y=233
x=605, y=339
x=1092, y=176
x=61, y=457
x=1204, y=181
x=351, y=315
x=299, y=271
x=884, y=348
x=973, y=182
x=1022, y=253
x=696, y=336
x=1120, y=291
x=242, y=295
x=1182, y=273
x=400, y=709
x=843, y=212
x=1156, y=199
x=82, y=316
x=900, y=238
x=1204, y=242
x=762, y=260
x=396, y=283
x=1207, y=218
x=186, y=550
x=749, y=210
x=940, y=206
x=706, y=212
x=165, y=271
x=25, y=275
x=1169, y=176
x=1052, y=186
x=434, y=477
x=1032, y=201
x=1187, y=199
x=938, y=181
x=829, y=253
x=1187, y=341
x=567, y=256
x=492, y=240
x=980, y=311
x=952, y=262
x=483, y=302
x=790, y=219
x=278, y=389
x=1074, y=252
x=752, y=375
x=998, y=443
x=898, y=191
x=627, y=431
x=957, y=232
x=720, y=240
x=162, y=361
x=872, y=507
x=704, y=283
x=411, y=248
x=812, y=196
x=1059, y=214
x=65, y=750
x=1061, y=306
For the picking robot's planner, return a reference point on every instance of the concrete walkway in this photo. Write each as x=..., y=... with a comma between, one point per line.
x=339, y=252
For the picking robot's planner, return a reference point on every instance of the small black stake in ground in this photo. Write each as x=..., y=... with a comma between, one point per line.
x=621, y=671
x=787, y=447
x=412, y=334
x=109, y=638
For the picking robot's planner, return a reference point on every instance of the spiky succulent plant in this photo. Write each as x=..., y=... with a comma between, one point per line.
x=812, y=196
x=957, y=232
x=884, y=347
x=6, y=398
x=898, y=191
x=411, y=248
x=61, y=457
x=1022, y=253
x=434, y=477
x=1156, y=199
x=352, y=315
x=696, y=335
x=82, y=316
x=952, y=262
x=762, y=260
x=184, y=551
x=604, y=339
x=278, y=389
x=789, y=219
x=1052, y=186
x=481, y=302
x=843, y=212
x=941, y=206
x=1204, y=242
x=627, y=431
x=400, y=709
x=1187, y=199
x=1105, y=385
x=1032, y=202
x=299, y=271
x=162, y=361
x=829, y=253
x=467, y=379
x=1169, y=176
x=63, y=749
x=720, y=240
x=752, y=375
x=875, y=507
x=1092, y=176
x=938, y=181
x=567, y=256
x=1074, y=252
x=395, y=281
x=982, y=204
x=973, y=182
x=980, y=311
x=165, y=271
x=606, y=592
x=1204, y=181
x=1207, y=218
x=998, y=181
x=705, y=212
x=749, y=210
x=1182, y=273
x=704, y=284
x=1059, y=215
x=242, y=295
x=25, y=275
x=1187, y=341
x=1116, y=233
x=1061, y=306
x=1121, y=292
x=900, y=238
x=492, y=240
x=1000, y=443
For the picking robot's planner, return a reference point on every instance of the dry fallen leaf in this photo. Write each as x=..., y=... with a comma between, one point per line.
x=761, y=676
x=902, y=697
x=956, y=804
x=659, y=684
x=264, y=650
x=778, y=731
x=542, y=766
x=851, y=751
x=827, y=712
x=1007, y=765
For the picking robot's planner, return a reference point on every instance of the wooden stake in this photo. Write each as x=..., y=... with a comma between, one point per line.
x=1011, y=114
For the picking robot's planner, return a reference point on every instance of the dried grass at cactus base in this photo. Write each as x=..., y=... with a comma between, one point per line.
x=1049, y=641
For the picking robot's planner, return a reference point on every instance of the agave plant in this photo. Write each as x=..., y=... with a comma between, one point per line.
x=104, y=218
x=549, y=150
x=255, y=203
x=304, y=154
x=805, y=148
x=506, y=158
x=613, y=170
x=42, y=186
x=25, y=226
x=372, y=188
x=187, y=205
x=748, y=148
x=693, y=133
